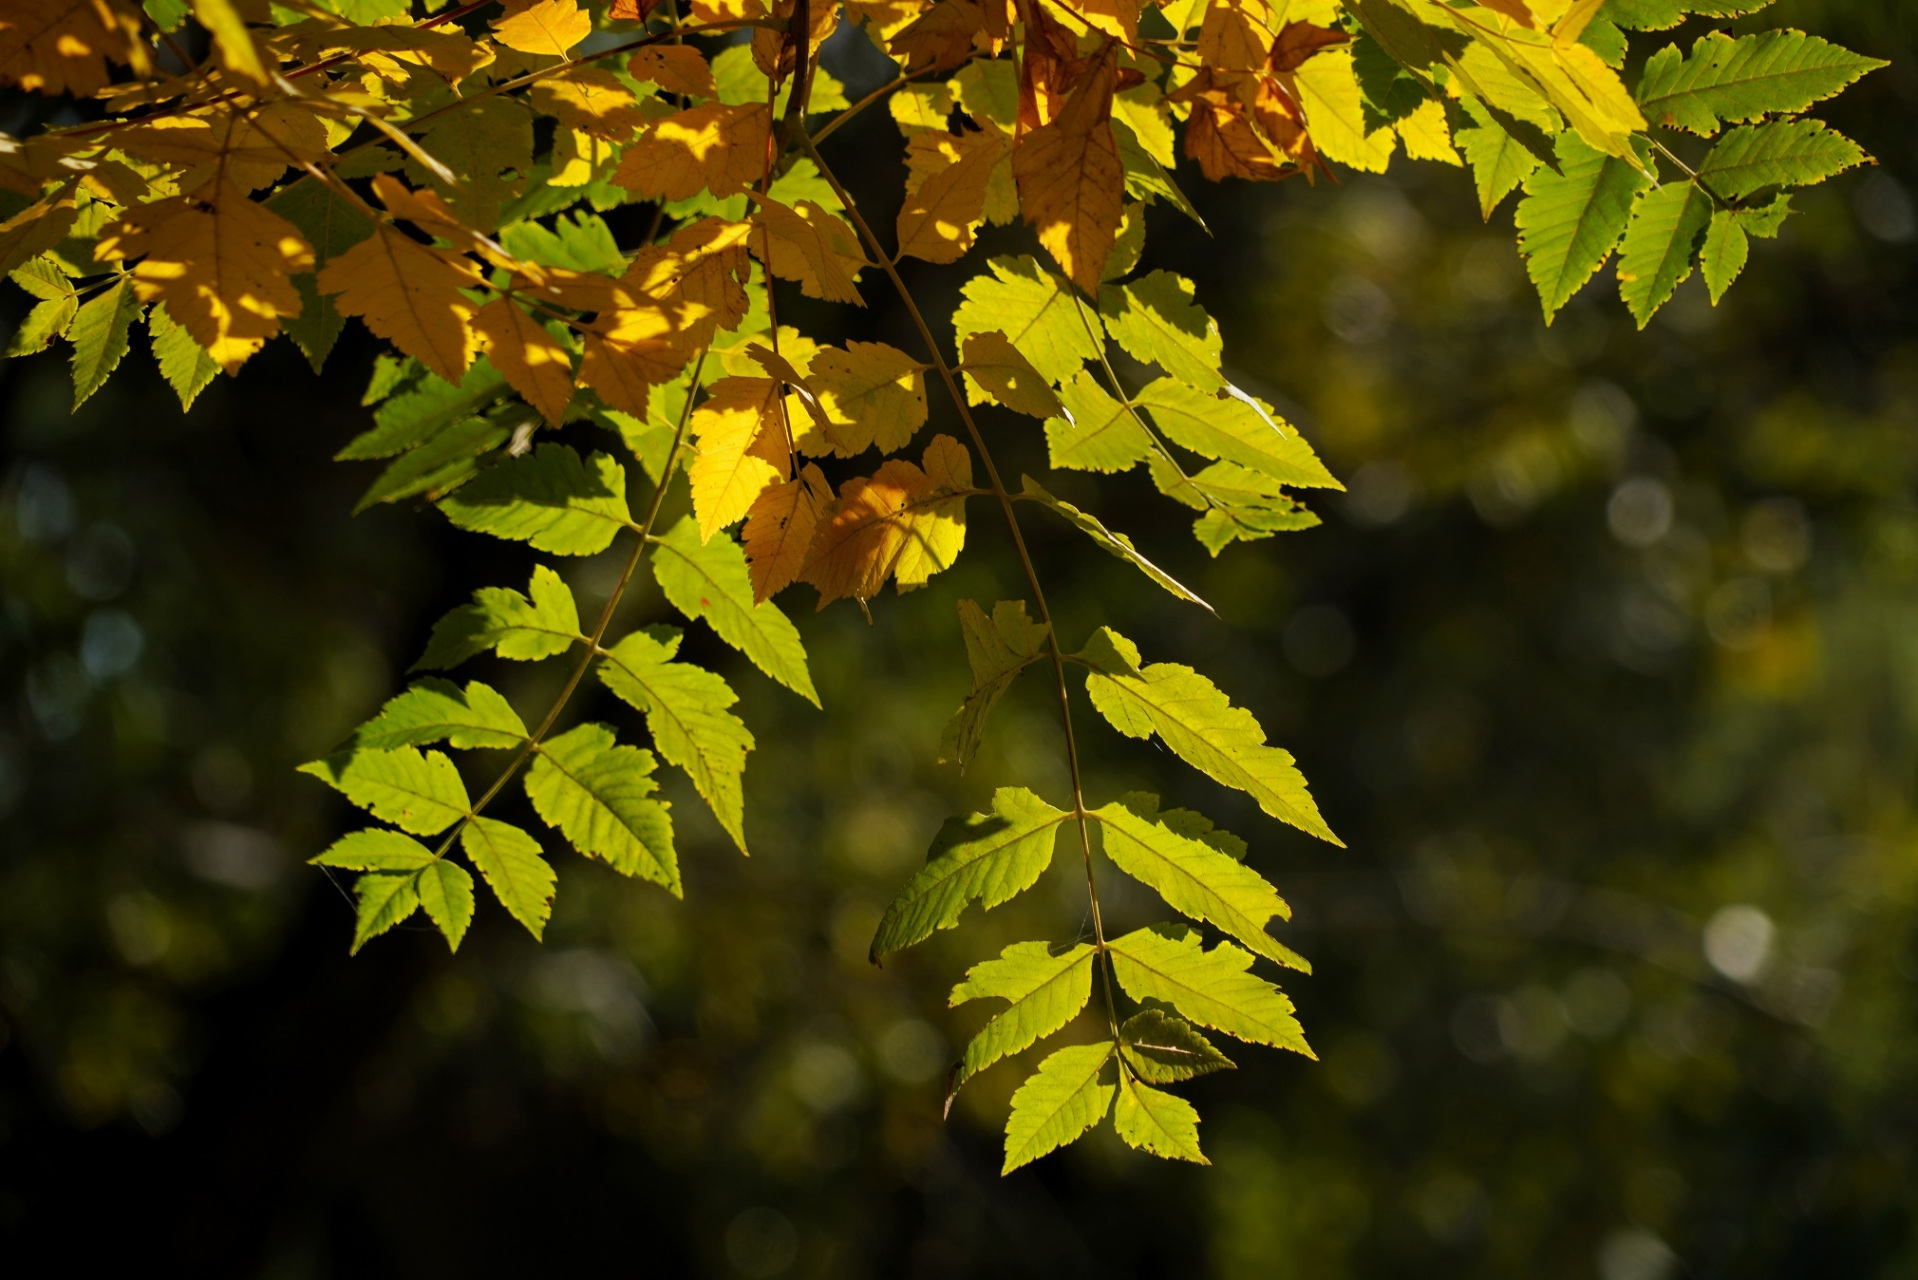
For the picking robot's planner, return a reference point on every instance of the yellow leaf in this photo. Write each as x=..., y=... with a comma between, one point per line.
x=249, y=149
x=703, y=265
x=740, y=433
x=1426, y=135
x=703, y=11
x=675, y=68
x=536, y=365
x=1071, y=182
x=238, y=54
x=1009, y=377
x=62, y=46
x=946, y=184
x=1335, y=113
x=448, y=53
x=779, y=531
x=712, y=147
x=408, y=294
x=549, y=27
x=904, y=521
x=871, y=394
x=629, y=350
x=812, y=246
x=1235, y=37
x=223, y=267
x=591, y=101
x=886, y=18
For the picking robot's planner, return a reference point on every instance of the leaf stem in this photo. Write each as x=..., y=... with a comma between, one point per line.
x=1057, y=655
x=592, y=649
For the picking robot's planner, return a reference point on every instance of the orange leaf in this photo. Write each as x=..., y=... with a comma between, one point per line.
x=703, y=265
x=536, y=365
x=946, y=192
x=549, y=27
x=1234, y=37
x=248, y=149
x=591, y=101
x=629, y=350
x=223, y=267
x=675, y=68
x=941, y=39
x=779, y=531
x=742, y=450
x=1071, y=182
x=408, y=294
x=905, y=521
x=814, y=247
x=712, y=147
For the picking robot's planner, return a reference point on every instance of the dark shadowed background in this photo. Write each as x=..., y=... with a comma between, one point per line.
x=1605, y=668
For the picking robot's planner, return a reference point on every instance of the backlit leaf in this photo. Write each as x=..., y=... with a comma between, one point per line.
x=99, y=335
x=530, y=358
x=375, y=849
x=599, y=796
x=446, y=891
x=903, y=522
x=1037, y=313
x=509, y=861
x=1156, y=1121
x=1212, y=988
x=743, y=449
x=1071, y=182
x=709, y=580
x=1067, y=1095
x=998, y=648
x=1656, y=255
x=1569, y=221
x=184, y=364
x=1232, y=425
x=1163, y=1049
x=1727, y=80
x=1116, y=544
x=988, y=857
x=408, y=294
x=1784, y=153
x=549, y=498
x=872, y=394
x=685, y=708
x=1157, y=321
x=434, y=710
x=384, y=900
x=1044, y=991
x=994, y=364
x=420, y=793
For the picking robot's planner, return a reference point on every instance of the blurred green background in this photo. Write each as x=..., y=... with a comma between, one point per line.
x=1606, y=669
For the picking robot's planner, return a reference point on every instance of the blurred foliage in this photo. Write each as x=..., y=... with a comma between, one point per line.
x=1604, y=668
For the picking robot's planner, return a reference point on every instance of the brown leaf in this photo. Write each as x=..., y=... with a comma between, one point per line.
x=941, y=39
x=63, y=46
x=536, y=365
x=904, y=522
x=710, y=147
x=1297, y=42
x=779, y=530
x=675, y=68
x=946, y=184
x=1071, y=181
x=223, y=267
x=408, y=294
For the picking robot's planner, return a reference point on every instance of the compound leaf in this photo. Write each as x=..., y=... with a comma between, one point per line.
x=502, y=619
x=511, y=864
x=549, y=498
x=1212, y=988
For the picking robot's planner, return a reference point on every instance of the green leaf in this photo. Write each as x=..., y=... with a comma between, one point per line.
x=1236, y=427
x=1156, y=320
x=1160, y=1048
x=1146, y=178
x=1097, y=432
x=375, y=849
x=184, y=363
x=99, y=336
x=1212, y=988
x=992, y=362
x=1043, y=991
x=511, y=864
x=434, y=709
x=1036, y=310
x=1657, y=253
x=580, y=241
x=446, y=891
x=1785, y=153
x=1195, y=879
x=1727, y=80
x=332, y=226
x=49, y=319
x=596, y=793
x=503, y=619
x=990, y=857
x=998, y=649
x=421, y=793
x=385, y=899
x=1156, y=1121
x=442, y=463
x=708, y=580
x=1117, y=544
x=1499, y=161
x=685, y=708
x=1066, y=1096
x=1727, y=247
x=419, y=409
x=1569, y=221
x=1237, y=503
x=549, y=498
x=1202, y=727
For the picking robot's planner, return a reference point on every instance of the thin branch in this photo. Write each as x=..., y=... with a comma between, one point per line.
x=1018, y=541
x=592, y=648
